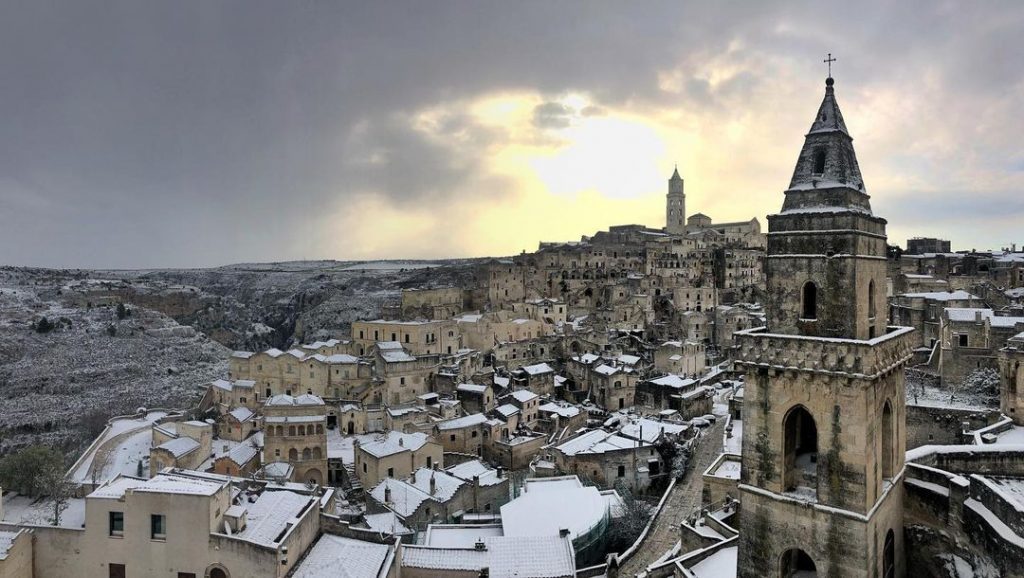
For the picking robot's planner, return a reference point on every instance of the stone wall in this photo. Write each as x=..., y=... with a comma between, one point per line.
x=940, y=425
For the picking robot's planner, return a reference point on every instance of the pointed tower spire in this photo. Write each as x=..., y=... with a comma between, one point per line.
x=675, y=205
x=828, y=161
x=826, y=249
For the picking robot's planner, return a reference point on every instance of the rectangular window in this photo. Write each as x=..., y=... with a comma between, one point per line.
x=391, y=472
x=158, y=527
x=116, y=570
x=963, y=341
x=117, y=523
x=186, y=575
x=430, y=461
x=622, y=471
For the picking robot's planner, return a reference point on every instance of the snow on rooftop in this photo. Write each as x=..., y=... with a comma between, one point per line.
x=545, y=509
x=390, y=443
x=674, y=381
x=304, y=399
x=270, y=515
x=471, y=388
x=467, y=470
x=400, y=497
x=386, y=523
x=508, y=410
x=503, y=556
x=459, y=535
x=721, y=564
x=241, y=413
x=179, y=484
x=538, y=369
x=179, y=447
x=461, y=422
x=650, y=430
x=562, y=410
x=524, y=395
x=942, y=295
x=598, y=442
x=345, y=558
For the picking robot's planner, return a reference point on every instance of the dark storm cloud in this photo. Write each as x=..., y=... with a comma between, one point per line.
x=145, y=133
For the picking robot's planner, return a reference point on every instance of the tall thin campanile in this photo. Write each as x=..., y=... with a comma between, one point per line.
x=675, y=208
x=821, y=490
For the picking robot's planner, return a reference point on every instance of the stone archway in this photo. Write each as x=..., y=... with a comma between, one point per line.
x=217, y=571
x=313, y=475
x=797, y=564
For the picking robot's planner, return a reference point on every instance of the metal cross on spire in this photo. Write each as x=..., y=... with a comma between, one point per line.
x=829, y=61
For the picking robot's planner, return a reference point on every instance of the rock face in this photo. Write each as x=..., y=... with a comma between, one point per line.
x=60, y=386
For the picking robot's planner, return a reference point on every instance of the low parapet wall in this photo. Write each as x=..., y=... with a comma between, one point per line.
x=948, y=488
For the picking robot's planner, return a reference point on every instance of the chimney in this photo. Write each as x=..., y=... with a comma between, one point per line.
x=401, y=443
x=563, y=533
x=500, y=471
x=433, y=485
x=387, y=494
x=480, y=545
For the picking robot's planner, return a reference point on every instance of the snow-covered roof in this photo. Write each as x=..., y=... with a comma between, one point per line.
x=486, y=475
x=544, y=510
x=242, y=354
x=629, y=359
x=674, y=381
x=445, y=484
x=537, y=369
x=461, y=422
x=401, y=498
x=179, y=447
x=346, y=558
x=385, y=444
x=501, y=381
x=242, y=453
x=507, y=410
x=974, y=314
x=597, y=442
x=304, y=399
x=607, y=369
x=586, y=358
x=650, y=430
x=397, y=356
x=386, y=523
x=562, y=410
x=472, y=388
x=524, y=395
x=503, y=556
x=270, y=515
x=958, y=295
x=179, y=484
x=341, y=358
x=241, y=414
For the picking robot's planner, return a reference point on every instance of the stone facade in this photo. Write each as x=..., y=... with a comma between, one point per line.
x=296, y=433
x=824, y=422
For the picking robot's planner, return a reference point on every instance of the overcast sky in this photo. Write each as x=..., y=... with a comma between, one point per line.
x=170, y=134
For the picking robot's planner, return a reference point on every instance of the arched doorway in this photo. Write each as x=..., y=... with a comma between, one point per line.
x=887, y=441
x=314, y=476
x=889, y=556
x=801, y=446
x=351, y=427
x=217, y=572
x=797, y=564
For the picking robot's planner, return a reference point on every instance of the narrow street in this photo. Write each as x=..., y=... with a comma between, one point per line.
x=685, y=497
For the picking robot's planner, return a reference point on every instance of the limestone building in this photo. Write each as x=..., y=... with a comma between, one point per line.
x=823, y=437
x=296, y=433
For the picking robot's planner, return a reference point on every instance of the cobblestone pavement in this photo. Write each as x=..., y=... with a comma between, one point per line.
x=684, y=499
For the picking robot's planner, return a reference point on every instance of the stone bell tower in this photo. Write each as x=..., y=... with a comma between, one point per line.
x=675, y=208
x=821, y=489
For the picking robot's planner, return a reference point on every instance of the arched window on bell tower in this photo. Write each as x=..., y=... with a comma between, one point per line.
x=801, y=451
x=809, y=298
x=819, y=162
x=887, y=441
